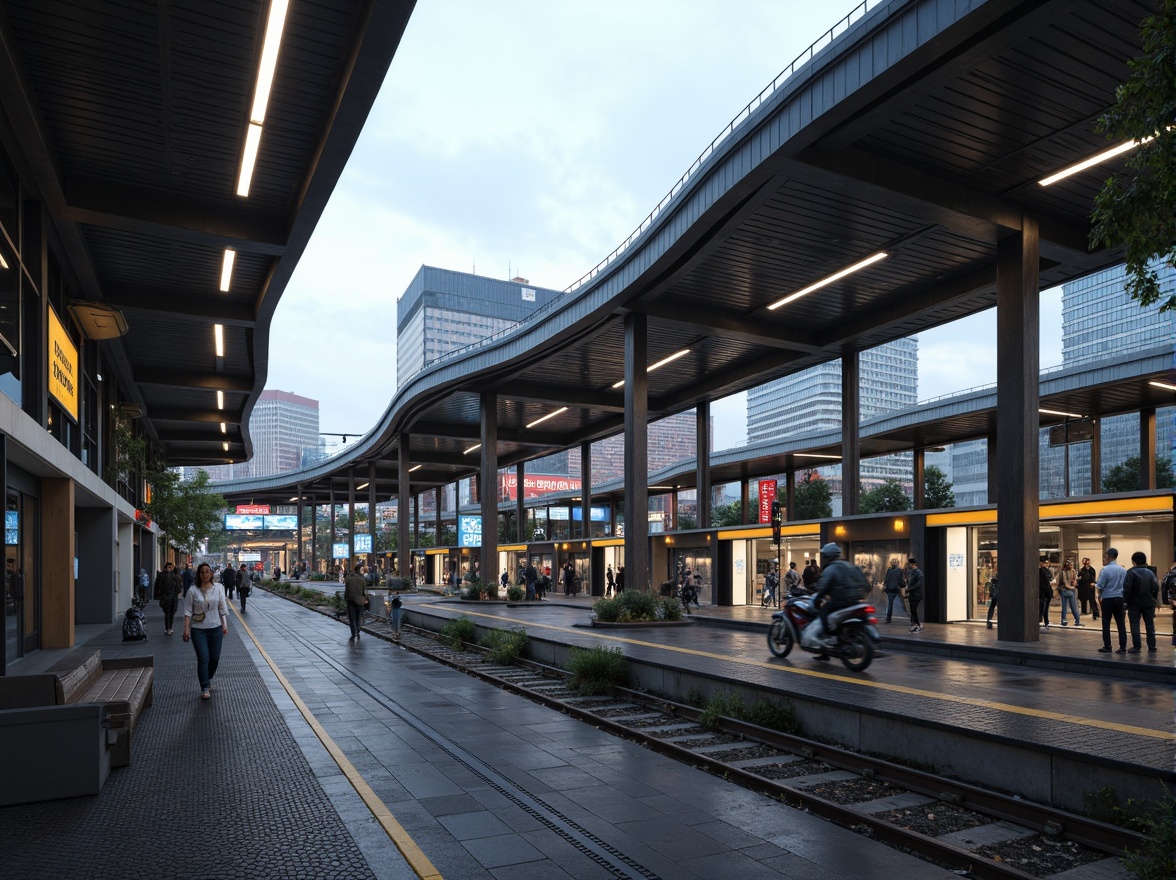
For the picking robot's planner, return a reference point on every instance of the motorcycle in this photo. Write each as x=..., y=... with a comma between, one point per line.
x=855, y=635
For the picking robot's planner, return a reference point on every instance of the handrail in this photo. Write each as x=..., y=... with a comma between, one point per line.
x=826, y=39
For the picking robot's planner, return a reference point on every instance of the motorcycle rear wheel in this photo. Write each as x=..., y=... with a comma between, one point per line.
x=857, y=651
x=780, y=638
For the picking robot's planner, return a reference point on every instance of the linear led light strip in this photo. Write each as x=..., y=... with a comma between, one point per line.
x=1096, y=159
x=275, y=24
x=1163, y=385
x=1055, y=412
x=660, y=363
x=836, y=276
x=550, y=415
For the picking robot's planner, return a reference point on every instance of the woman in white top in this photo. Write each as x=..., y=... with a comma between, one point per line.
x=206, y=623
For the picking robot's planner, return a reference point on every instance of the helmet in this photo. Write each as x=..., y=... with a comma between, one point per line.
x=831, y=551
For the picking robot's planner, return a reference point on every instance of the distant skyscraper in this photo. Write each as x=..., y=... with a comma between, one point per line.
x=809, y=402
x=284, y=428
x=442, y=311
x=671, y=440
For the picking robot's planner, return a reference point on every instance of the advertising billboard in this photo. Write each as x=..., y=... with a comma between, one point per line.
x=363, y=543
x=597, y=514
x=237, y=522
x=263, y=509
x=767, y=494
x=288, y=521
x=534, y=485
x=63, y=367
x=469, y=531
x=338, y=551
x=11, y=527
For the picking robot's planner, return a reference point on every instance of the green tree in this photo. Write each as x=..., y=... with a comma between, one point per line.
x=937, y=491
x=687, y=522
x=187, y=511
x=727, y=515
x=887, y=498
x=814, y=498
x=1125, y=477
x=1135, y=209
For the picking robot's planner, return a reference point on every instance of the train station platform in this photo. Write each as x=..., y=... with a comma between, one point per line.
x=320, y=757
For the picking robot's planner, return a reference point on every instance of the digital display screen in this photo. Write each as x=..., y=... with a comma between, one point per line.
x=243, y=521
x=284, y=521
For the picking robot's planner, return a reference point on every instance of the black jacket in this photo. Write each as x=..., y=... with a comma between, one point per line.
x=1140, y=588
x=842, y=583
x=894, y=579
x=915, y=584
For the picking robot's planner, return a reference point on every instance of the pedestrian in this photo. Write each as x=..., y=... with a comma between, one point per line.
x=810, y=575
x=915, y=589
x=1044, y=592
x=791, y=578
x=504, y=580
x=569, y=579
x=610, y=582
x=144, y=583
x=530, y=575
x=397, y=612
x=1068, y=590
x=992, y=598
x=1170, y=587
x=186, y=578
x=620, y=578
x=893, y=584
x=355, y=592
x=1141, y=593
x=167, y=590
x=1086, y=578
x=206, y=623
x=228, y=580
x=543, y=584
x=244, y=586
x=1110, y=597
x=771, y=582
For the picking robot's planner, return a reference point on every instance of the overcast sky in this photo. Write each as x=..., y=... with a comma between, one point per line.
x=530, y=138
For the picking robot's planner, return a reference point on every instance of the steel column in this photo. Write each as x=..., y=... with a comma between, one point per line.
x=851, y=410
x=403, y=491
x=520, y=502
x=586, y=490
x=636, y=452
x=488, y=491
x=702, y=463
x=1147, y=448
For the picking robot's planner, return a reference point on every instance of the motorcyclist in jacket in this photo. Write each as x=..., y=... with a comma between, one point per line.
x=841, y=585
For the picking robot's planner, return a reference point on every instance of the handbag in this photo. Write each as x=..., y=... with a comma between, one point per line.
x=199, y=618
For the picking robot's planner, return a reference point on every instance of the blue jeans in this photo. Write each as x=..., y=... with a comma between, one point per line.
x=397, y=613
x=890, y=597
x=1069, y=599
x=207, y=643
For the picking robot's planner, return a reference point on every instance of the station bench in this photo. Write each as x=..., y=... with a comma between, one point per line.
x=63, y=730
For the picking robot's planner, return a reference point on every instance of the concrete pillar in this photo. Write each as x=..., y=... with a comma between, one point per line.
x=702, y=463
x=331, y=542
x=371, y=505
x=790, y=495
x=920, y=479
x=313, y=533
x=586, y=491
x=744, y=499
x=96, y=599
x=636, y=453
x=1017, y=457
x=993, y=473
x=403, y=491
x=351, y=517
x=57, y=560
x=488, y=490
x=300, y=505
x=520, y=502
x=1147, y=448
x=850, y=432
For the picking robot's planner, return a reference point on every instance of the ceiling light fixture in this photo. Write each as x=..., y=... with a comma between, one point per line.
x=359, y=488
x=218, y=332
x=295, y=498
x=226, y=445
x=1163, y=385
x=817, y=455
x=416, y=467
x=661, y=363
x=3, y=262
x=836, y=276
x=550, y=415
x=1055, y=412
x=220, y=400
x=227, y=267
x=248, y=159
x=1096, y=159
x=473, y=448
x=274, y=26
x=224, y=428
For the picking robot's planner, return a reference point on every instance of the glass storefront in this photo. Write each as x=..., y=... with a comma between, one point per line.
x=753, y=559
x=1068, y=541
x=874, y=558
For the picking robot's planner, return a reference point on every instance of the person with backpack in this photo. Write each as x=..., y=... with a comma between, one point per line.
x=1141, y=592
x=771, y=582
x=841, y=585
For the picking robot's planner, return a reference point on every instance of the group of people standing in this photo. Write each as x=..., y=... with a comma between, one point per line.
x=905, y=587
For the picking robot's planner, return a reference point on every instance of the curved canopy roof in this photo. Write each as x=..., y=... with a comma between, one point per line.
x=921, y=132
x=133, y=117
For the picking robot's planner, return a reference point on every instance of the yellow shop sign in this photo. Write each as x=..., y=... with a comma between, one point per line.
x=63, y=367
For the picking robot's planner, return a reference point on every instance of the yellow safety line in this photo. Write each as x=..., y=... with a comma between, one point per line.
x=883, y=686
x=412, y=853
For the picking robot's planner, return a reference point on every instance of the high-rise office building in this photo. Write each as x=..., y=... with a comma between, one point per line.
x=809, y=402
x=285, y=431
x=442, y=311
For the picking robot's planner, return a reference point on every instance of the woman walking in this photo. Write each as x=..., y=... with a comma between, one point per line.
x=206, y=623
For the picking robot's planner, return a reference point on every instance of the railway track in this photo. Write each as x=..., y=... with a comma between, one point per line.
x=973, y=831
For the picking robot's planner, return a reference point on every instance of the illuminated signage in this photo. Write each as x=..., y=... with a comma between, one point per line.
x=469, y=531
x=63, y=367
x=237, y=522
x=339, y=551
x=263, y=509
x=767, y=494
x=280, y=521
x=363, y=543
x=11, y=527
